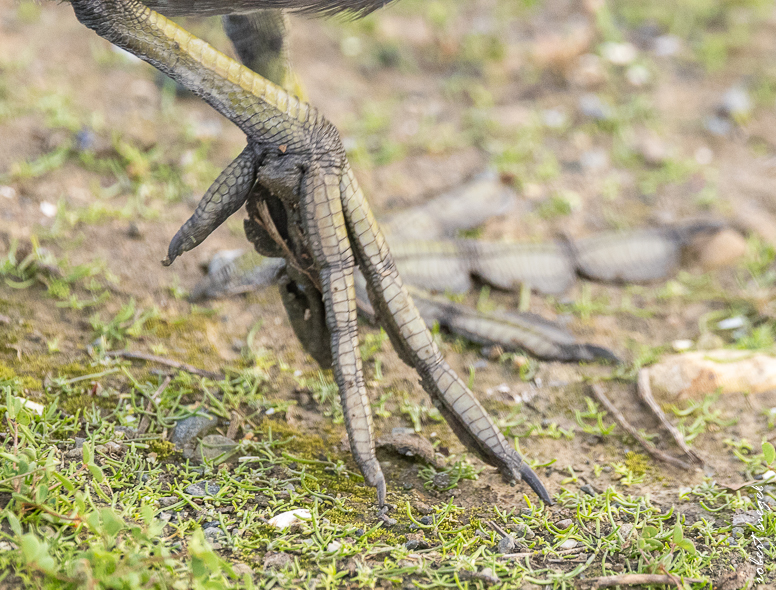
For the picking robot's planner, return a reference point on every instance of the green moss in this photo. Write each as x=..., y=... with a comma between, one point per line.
x=637, y=463
x=162, y=448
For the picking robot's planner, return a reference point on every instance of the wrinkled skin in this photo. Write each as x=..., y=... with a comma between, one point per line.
x=304, y=202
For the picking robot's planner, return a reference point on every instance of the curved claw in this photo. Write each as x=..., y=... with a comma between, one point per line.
x=528, y=476
x=224, y=197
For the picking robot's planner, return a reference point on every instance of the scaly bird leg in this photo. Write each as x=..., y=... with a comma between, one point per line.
x=298, y=157
x=415, y=344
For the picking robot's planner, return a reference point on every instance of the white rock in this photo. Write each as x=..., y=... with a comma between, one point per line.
x=667, y=45
x=286, y=519
x=568, y=544
x=620, y=54
x=679, y=345
x=8, y=192
x=731, y=323
x=34, y=407
x=48, y=209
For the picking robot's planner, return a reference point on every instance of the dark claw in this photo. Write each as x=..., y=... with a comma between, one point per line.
x=529, y=477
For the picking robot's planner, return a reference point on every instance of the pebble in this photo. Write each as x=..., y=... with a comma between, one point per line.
x=422, y=507
x=189, y=428
x=202, y=489
x=333, y=546
x=680, y=345
x=167, y=501
x=554, y=118
x=667, y=45
x=589, y=72
x=286, y=519
x=595, y=159
x=507, y=544
x=569, y=544
x=241, y=569
x=723, y=249
x=564, y=524
x=619, y=54
x=8, y=192
x=718, y=126
x=276, y=561
x=704, y=156
x=48, y=209
x=590, y=105
x=736, y=104
x=588, y=490
x=625, y=531
x=652, y=149
x=214, y=446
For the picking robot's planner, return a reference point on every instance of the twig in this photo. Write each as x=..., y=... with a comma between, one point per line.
x=152, y=358
x=644, y=390
x=635, y=580
x=145, y=421
x=598, y=391
x=234, y=425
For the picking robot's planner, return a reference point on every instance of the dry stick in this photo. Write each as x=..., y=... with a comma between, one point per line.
x=145, y=422
x=635, y=580
x=644, y=390
x=620, y=419
x=234, y=424
x=152, y=358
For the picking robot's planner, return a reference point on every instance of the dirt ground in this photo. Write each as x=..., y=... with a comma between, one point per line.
x=100, y=163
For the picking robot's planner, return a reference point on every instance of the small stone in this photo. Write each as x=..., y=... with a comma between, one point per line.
x=416, y=541
x=441, y=481
x=619, y=54
x=387, y=520
x=167, y=501
x=202, y=489
x=189, y=428
x=590, y=105
x=242, y=569
x=214, y=446
x=564, y=524
x=723, y=249
x=426, y=520
x=718, y=126
x=286, y=519
x=554, y=118
x=704, y=156
x=133, y=231
x=588, y=490
x=680, y=345
x=8, y=192
x=625, y=531
x=589, y=72
x=422, y=507
x=48, y=209
x=731, y=323
x=751, y=517
x=568, y=544
x=737, y=531
x=507, y=544
x=736, y=104
x=334, y=546
x=667, y=45
x=595, y=159
x=276, y=561
x=652, y=149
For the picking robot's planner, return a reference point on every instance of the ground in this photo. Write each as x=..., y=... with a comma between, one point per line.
x=101, y=162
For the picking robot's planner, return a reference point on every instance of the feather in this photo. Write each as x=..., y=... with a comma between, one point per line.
x=356, y=8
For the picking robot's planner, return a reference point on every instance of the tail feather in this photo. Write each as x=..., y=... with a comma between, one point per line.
x=356, y=8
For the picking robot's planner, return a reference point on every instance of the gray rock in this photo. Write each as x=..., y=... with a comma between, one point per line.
x=168, y=501
x=564, y=524
x=189, y=428
x=214, y=446
x=507, y=544
x=590, y=105
x=202, y=489
x=276, y=561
